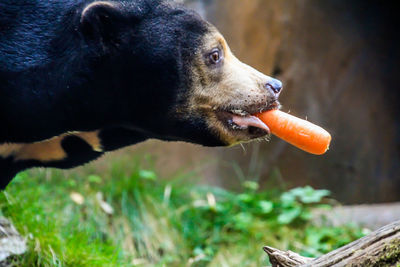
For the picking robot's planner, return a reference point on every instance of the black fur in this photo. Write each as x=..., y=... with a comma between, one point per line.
x=121, y=70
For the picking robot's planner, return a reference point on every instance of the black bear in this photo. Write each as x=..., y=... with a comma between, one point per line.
x=79, y=78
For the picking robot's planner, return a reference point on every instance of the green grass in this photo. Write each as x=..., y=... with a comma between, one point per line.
x=159, y=222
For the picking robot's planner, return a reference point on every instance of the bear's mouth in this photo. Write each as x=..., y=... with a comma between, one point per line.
x=244, y=123
x=240, y=121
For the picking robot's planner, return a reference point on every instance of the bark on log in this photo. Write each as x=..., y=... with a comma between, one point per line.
x=380, y=248
x=288, y=258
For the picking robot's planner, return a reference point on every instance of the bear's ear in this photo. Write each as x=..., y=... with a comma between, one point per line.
x=103, y=21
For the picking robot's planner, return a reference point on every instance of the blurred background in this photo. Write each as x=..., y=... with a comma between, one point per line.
x=177, y=204
x=339, y=62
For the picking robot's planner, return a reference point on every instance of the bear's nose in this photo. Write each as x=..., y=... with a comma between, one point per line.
x=274, y=85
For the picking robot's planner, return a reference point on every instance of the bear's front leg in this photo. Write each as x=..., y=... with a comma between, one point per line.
x=65, y=151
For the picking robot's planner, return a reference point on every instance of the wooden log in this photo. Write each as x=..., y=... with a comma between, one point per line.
x=379, y=248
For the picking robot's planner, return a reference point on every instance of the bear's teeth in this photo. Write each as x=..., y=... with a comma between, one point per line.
x=239, y=112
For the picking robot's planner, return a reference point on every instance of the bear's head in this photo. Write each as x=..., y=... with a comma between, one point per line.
x=174, y=74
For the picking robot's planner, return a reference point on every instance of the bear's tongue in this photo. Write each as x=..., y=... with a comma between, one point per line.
x=251, y=120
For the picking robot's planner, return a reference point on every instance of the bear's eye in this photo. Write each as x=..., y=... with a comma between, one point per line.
x=215, y=56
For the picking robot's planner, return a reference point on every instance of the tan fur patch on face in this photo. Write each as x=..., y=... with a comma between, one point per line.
x=47, y=150
x=230, y=85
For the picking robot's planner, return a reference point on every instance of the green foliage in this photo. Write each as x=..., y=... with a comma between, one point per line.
x=296, y=203
x=121, y=217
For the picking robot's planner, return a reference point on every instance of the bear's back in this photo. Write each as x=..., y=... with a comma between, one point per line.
x=26, y=30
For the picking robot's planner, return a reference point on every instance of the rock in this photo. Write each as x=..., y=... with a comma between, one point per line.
x=371, y=216
x=11, y=243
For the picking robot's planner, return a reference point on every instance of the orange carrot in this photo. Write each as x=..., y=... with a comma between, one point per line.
x=300, y=133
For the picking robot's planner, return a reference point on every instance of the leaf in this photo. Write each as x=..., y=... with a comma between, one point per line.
x=289, y=215
x=306, y=194
x=198, y=251
x=107, y=208
x=313, y=196
x=243, y=220
x=77, y=198
x=94, y=179
x=251, y=185
x=288, y=199
x=306, y=215
x=313, y=237
x=265, y=206
x=71, y=183
x=245, y=197
x=147, y=175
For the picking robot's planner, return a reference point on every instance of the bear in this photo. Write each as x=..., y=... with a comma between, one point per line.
x=79, y=78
